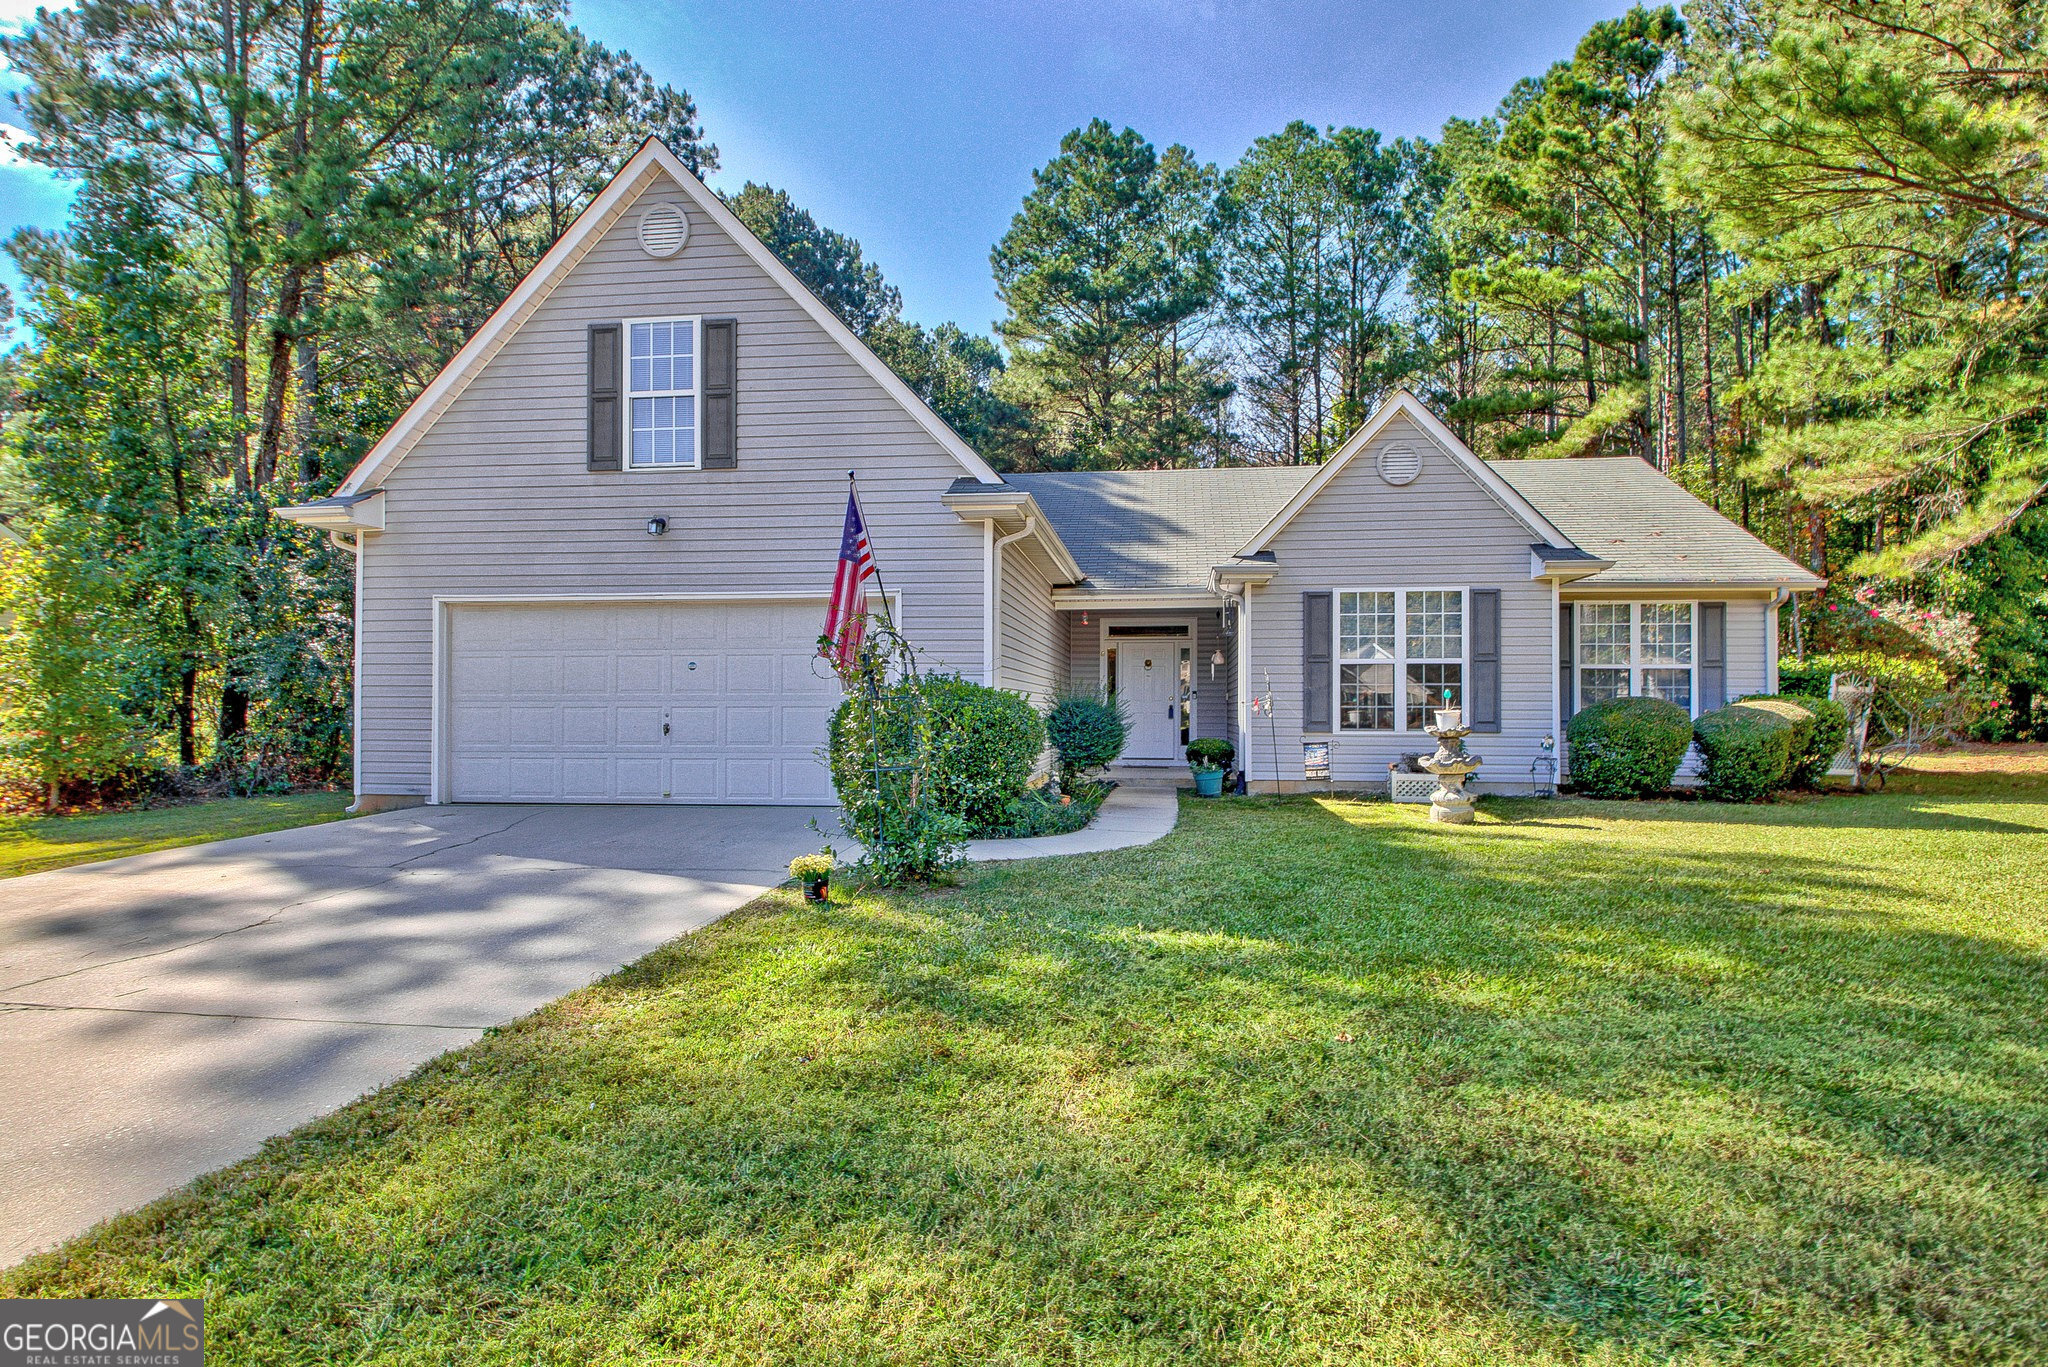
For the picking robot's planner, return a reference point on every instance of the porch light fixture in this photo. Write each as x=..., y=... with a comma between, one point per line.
x=657, y=526
x=1215, y=662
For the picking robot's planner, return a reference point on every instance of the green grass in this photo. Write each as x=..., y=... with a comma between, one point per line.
x=1308, y=1082
x=30, y=844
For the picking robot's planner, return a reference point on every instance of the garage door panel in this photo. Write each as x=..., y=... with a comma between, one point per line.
x=567, y=702
x=586, y=725
x=641, y=673
x=694, y=726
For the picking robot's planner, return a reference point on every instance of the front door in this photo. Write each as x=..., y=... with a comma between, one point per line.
x=1148, y=684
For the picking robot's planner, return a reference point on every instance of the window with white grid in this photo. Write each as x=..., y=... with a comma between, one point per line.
x=1636, y=650
x=1400, y=655
x=661, y=380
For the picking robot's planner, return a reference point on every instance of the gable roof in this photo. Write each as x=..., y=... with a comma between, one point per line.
x=1159, y=529
x=1407, y=405
x=653, y=159
x=1621, y=509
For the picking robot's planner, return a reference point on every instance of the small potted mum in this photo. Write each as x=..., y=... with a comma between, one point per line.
x=1210, y=759
x=814, y=871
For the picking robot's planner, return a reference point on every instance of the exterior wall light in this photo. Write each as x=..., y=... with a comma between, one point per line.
x=657, y=526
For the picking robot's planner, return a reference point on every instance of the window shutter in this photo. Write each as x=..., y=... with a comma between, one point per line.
x=1482, y=694
x=602, y=451
x=1316, y=645
x=721, y=388
x=1565, y=703
x=1713, y=656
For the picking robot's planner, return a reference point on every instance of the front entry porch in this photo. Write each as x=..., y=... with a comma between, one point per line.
x=1174, y=669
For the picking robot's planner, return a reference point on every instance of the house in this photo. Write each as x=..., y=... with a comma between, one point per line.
x=592, y=556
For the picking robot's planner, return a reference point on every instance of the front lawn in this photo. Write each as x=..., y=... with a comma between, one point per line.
x=30, y=844
x=1308, y=1082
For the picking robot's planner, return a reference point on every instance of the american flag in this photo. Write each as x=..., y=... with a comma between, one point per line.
x=846, y=621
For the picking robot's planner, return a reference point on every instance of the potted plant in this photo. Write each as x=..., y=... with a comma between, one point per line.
x=814, y=871
x=1210, y=759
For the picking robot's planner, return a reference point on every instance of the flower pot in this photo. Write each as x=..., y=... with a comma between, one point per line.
x=1208, y=782
x=814, y=889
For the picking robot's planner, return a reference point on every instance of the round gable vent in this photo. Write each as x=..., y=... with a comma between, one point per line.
x=1400, y=464
x=664, y=230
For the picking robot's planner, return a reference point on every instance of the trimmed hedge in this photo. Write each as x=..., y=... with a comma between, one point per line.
x=1627, y=747
x=1210, y=752
x=984, y=744
x=1747, y=749
x=1819, y=728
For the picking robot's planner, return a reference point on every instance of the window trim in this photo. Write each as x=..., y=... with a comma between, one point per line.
x=1636, y=664
x=1400, y=662
x=695, y=394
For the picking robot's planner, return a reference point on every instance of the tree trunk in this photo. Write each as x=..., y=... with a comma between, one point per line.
x=235, y=76
x=234, y=712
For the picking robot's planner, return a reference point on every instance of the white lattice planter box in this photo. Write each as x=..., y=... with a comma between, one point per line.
x=1410, y=787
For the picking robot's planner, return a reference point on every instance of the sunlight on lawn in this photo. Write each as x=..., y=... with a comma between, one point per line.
x=1311, y=1080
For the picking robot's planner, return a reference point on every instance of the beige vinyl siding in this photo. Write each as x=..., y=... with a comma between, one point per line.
x=1442, y=531
x=1028, y=657
x=494, y=499
x=1215, y=698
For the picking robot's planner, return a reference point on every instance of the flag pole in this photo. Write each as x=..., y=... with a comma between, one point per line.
x=853, y=492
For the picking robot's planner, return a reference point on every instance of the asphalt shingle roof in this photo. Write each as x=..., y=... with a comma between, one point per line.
x=1160, y=529
x=1621, y=509
x=1166, y=529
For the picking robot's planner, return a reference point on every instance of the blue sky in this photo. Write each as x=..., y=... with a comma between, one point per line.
x=916, y=126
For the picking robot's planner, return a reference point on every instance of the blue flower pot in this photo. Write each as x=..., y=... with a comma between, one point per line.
x=1209, y=782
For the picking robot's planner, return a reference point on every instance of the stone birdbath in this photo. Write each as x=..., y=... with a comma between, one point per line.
x=1450, y=802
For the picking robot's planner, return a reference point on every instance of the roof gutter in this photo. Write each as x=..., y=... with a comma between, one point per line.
x=997, y=502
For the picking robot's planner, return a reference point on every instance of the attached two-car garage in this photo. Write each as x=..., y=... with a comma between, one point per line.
x=692, y=701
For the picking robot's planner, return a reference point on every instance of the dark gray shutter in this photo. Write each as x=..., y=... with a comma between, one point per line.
x=1316, y=645
x=721, y=388
x=1482, y=694
x=604, y=437
x=1713, y=656
x=1566, y=705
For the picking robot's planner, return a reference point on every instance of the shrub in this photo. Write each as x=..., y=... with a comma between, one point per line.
x=1087, y=731
x=1038, y=812
x=953, y=755
x=1627, y=747
x=1211, y=752
x=1804, y=678
x=1747, y=749
x=1819, y=727
x=879, y=748
x=984, y=744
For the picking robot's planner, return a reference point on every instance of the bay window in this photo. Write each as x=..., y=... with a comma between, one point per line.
x=1400, y=655
x=1640, y=650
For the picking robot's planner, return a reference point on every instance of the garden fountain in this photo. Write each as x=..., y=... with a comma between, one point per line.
x=1452, y=766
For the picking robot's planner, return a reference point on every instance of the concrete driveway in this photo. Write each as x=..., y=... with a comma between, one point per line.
x=162, y=1015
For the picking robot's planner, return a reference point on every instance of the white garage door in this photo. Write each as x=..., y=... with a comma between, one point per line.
x=638, y=702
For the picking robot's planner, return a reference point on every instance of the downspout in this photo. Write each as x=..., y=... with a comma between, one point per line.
x=355, y=671
x=1243, y=739
x=995, y=596
x=1779, y=598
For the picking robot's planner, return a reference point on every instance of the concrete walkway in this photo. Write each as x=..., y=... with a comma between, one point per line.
x=1129, y=816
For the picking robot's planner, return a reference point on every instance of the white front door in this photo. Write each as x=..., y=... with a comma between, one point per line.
x=1149, y=687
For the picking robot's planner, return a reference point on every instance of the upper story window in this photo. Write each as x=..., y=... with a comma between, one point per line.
x=1399, y=652
x=662, y=392
x=1640, y=650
